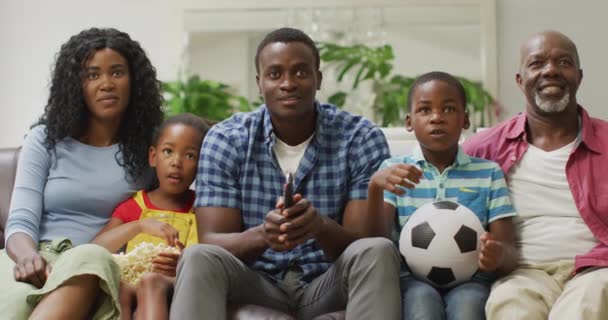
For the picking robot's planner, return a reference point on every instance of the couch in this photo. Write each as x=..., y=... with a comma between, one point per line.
x=8, y=166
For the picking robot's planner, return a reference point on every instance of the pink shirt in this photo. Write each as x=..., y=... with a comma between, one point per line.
x=506, y=144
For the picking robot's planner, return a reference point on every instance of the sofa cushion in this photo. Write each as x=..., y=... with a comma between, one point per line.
x=254, y=312
x=8, y=166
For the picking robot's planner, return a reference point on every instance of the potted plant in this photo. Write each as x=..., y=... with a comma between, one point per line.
x=211, y=100
x=390, y=101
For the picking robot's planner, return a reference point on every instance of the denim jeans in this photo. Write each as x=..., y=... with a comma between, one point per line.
x=465, y=301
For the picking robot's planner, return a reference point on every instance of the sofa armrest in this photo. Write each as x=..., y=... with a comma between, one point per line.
x=8, y=168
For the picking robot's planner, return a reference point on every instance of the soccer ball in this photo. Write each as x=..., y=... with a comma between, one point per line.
x=440, y=243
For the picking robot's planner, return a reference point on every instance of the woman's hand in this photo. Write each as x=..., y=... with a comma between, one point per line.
x=33, y=269
x=160, y=229
x=166, y=262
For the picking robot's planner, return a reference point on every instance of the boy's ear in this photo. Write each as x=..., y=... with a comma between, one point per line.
x=408, y=123
x=152, y=157
x=467, y=121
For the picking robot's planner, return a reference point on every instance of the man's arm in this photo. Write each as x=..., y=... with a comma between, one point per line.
x=223, y=227
x=368, y=151
x=218, y=198
x=334, y=238
x=302, y=222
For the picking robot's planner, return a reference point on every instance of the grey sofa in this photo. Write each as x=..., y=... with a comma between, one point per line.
x=8, y=166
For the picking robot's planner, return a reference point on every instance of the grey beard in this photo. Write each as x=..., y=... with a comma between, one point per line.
x=551, y=106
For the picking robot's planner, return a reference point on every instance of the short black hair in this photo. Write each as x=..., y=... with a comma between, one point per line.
x=441, y=76
x=287, y=35
x=187, y=119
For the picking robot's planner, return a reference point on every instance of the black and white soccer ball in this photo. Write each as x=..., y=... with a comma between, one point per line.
x=440, y=243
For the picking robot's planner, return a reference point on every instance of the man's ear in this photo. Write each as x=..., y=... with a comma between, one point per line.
x=257, y=81
x=320, y=77
x=519, y=80
x=152, y=157
x=408, y=123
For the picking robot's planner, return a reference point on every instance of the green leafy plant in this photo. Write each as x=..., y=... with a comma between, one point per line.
x=208, y=99
x=390, y=103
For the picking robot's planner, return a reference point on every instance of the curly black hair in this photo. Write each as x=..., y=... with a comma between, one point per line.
x=66, y=113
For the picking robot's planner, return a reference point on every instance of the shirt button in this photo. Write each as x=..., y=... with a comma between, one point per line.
x=441, y=185
x=513, y=158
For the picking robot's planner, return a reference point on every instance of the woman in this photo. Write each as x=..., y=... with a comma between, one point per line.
x=87, y=154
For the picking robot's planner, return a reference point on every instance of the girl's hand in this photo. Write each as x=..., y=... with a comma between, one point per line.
x=33, y=269
x=166, y=262
x=160, y=229
x=491, y=254
x=401, y=174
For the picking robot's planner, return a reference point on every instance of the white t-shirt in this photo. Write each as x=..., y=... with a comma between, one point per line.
x=549, y=226
x=289, y=157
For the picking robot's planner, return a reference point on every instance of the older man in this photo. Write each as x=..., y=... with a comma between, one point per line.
x=552, y=155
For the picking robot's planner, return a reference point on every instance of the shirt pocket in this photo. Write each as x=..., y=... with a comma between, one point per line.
x=476, y=200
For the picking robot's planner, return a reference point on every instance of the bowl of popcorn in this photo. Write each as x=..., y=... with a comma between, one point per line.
x=138, y=261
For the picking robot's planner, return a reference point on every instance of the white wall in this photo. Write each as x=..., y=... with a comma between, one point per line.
x=583, y=21
x=31, y=32
x=450, y=48
x=219, y=51
x=226, y=57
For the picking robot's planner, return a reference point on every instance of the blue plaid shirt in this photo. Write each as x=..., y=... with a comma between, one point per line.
x=238, y=169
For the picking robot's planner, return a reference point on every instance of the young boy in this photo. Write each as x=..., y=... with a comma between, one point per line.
x=439, y=170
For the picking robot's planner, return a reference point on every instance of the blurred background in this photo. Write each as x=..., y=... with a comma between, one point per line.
x=371, y=50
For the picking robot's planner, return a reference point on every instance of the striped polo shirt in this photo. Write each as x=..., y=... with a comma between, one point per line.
x=476, y=183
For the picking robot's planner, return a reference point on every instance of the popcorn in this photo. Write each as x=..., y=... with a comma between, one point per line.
x=134, y=264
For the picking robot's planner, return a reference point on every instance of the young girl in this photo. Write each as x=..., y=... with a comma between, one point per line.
x=174, y=155
x=439, y=170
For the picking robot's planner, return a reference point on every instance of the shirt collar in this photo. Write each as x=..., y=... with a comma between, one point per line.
x=319, y=129
x=519, y=128
x=461, y=157
x=587, y=130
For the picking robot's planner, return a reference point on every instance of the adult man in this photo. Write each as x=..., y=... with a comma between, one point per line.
x=550, y=154
x=305, y=260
